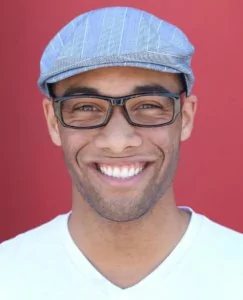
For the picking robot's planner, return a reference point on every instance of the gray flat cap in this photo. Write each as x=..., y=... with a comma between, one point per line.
x=116, y=36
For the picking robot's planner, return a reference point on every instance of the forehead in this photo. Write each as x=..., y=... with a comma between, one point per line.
x=116, y=81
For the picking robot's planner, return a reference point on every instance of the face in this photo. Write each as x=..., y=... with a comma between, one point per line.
x=120, y=170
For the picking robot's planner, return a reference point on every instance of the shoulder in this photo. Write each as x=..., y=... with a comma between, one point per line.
x=220, y=235
x=29, y=261
x=215, y=257
x=222, y=247
x=212, y=235
x=31, y=243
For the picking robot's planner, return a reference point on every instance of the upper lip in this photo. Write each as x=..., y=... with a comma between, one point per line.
x=121, y=161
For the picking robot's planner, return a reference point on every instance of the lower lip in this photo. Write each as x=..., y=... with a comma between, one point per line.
x=119, y=182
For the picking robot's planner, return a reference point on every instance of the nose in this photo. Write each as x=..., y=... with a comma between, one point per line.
x=118, y=135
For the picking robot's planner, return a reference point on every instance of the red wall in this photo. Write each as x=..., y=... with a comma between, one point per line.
x=34, y=183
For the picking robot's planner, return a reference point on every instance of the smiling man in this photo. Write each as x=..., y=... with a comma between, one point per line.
x=117, y=83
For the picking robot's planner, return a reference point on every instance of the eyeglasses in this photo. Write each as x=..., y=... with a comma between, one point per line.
x=92, y=111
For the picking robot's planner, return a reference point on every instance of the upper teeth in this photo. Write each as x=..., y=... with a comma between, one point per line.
x=121, y=172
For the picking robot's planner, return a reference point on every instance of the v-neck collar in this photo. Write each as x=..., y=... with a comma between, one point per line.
x=158, y=276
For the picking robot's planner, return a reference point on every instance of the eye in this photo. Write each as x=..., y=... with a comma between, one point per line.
x=149, y=106
x=85, y=107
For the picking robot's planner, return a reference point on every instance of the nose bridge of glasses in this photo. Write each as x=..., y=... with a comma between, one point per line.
x=117, y=101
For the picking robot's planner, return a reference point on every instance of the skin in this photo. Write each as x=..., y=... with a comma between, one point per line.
x=136, y=227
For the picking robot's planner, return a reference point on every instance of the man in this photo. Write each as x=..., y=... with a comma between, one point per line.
x=117, y=84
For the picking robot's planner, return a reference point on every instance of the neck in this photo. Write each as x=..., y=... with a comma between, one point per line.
x=127, y=246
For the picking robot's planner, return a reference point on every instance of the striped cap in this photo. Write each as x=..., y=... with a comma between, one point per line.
x=116, y=36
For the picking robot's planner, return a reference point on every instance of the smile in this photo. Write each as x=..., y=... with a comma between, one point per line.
x=121, y=172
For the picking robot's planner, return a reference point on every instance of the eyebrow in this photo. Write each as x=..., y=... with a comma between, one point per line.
x=148, y=88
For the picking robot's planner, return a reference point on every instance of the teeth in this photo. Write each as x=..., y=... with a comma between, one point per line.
x=108, y=171
x=121, y=172
x=130, y=172
x=116, y=172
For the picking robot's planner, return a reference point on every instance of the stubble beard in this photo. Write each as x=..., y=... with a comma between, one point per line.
x=130, y=206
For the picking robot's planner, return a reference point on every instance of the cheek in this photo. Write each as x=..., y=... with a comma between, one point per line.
x=73, y=141
x=165, y=139
x=167, y=142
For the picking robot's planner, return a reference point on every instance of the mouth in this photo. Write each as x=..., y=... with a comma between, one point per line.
x=121, y=172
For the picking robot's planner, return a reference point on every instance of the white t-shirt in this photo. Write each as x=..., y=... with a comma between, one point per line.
x=45, y=264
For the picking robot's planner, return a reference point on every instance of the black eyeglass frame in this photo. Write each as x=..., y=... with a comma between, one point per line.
x=117, y=101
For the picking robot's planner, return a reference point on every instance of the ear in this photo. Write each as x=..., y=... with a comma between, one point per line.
x=51, y=121
x=188, y=112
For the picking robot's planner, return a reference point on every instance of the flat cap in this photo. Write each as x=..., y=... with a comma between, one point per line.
x=116, y=36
